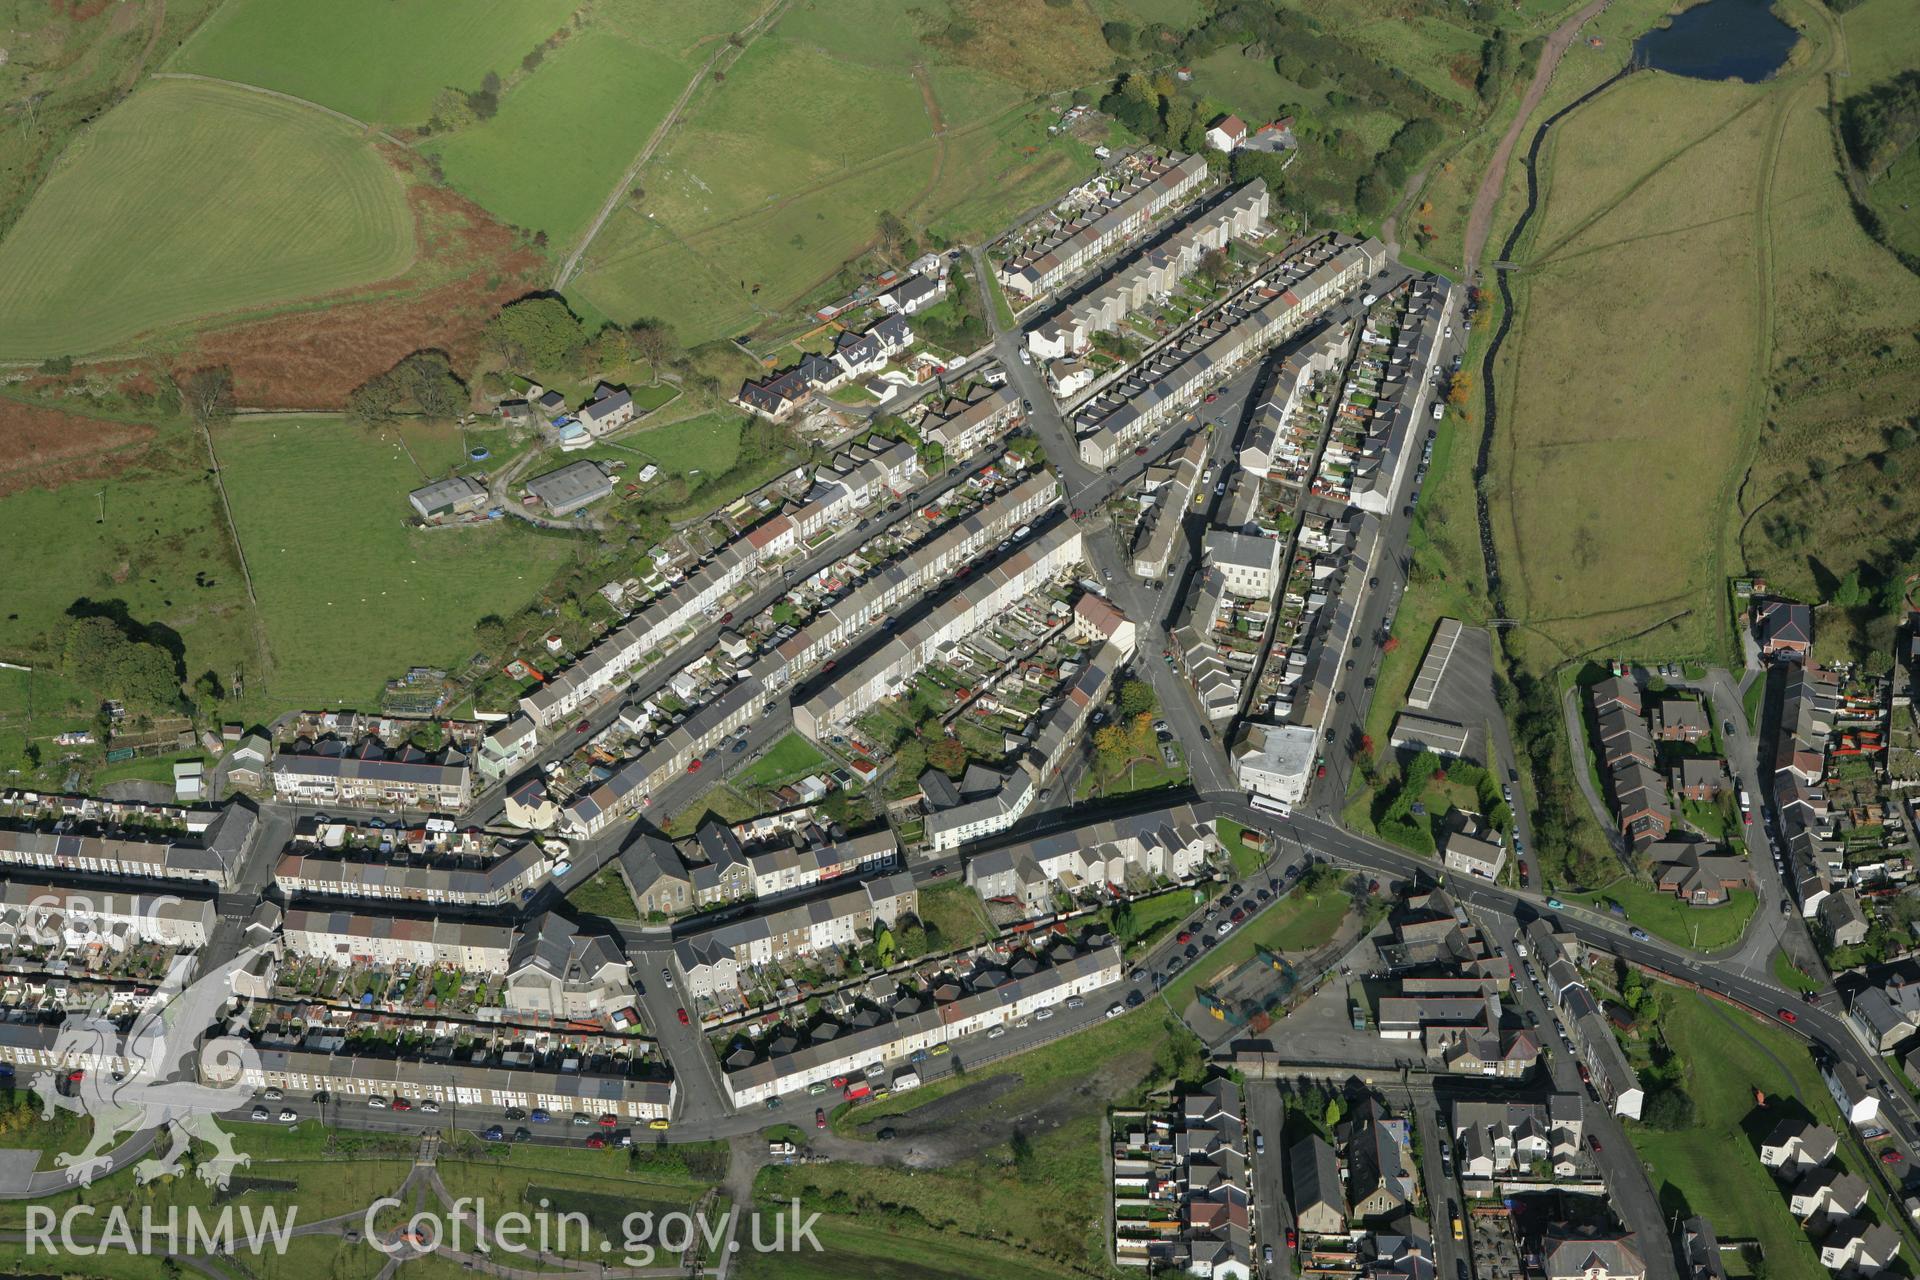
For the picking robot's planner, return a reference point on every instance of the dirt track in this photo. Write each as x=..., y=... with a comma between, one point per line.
x=1480, y=220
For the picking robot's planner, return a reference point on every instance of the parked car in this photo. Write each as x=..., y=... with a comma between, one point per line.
x=683, y=1017
x=819, y=1117
x=494, y=1133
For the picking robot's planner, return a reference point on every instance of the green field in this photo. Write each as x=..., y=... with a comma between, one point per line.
x=189, y=200
x=1297, y=923
x=604, y=895
x=162, y=552
x=373, y=59
x=1846, y=373
x=1649, y=215
x=562, y=139
x=1665, y=916
x=747, y=212
x=1246, y=858
x=790, y=758
x=350, y=596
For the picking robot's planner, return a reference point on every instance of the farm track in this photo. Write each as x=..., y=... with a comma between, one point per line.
x=759, y=26
x=1487, y=198
x=342, y=116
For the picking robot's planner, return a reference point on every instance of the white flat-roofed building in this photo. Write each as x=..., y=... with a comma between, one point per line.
x=1275, y=760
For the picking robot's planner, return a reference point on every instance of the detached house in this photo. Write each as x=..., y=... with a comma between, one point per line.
x=1226, y=133
x=1784, y=629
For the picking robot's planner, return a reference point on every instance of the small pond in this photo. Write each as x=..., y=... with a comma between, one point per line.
x=1719, y=40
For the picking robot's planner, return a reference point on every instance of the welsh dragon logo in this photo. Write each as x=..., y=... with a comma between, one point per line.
x=170, y=1055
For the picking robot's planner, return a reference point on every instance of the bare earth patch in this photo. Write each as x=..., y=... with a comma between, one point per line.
x=46, y=448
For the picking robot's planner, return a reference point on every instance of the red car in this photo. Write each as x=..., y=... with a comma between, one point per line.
x=1891, y=1157
x=1139, y=451
x=1293, y=1238
x=595, y=1142
x=1594, y=1142
x=1746, y=816
x=1212, y=396
x=839, y=1082
x=819, y=1117
x=401, y=1104
x=1523, y=869
x=585, y=726
x=694, y=767
x=1320, y=771
x=609, y=1120
x=683, y=1016
x=1186, y=935
x=1237, y=916
x=1788, y=1015
x=726, y=617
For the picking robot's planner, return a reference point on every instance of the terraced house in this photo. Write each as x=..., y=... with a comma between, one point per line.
x=213, y=853
x=37, y=913
x=1175, y=377
x=1120, y=216
x=893, y=1022
x=496, y=1082
x=368, y=772
x=1172, y=844
x=1153, y=273
x=710, y=963
x=986, y=594
x=468, y=881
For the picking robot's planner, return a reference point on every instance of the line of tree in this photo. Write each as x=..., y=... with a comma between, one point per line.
x=1882, y=123
x=424, y=383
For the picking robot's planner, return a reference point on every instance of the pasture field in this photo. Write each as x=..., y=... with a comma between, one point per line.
x=747, y=213
x=1638, y=406
x=372, y=59
x=73, y=60
x=1179, y=14
x=349, y=596
x=163, y=553
x=192, y=199
x=562, y=138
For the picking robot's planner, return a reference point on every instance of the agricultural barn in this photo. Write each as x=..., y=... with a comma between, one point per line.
x=570, y=488
x=454, y=496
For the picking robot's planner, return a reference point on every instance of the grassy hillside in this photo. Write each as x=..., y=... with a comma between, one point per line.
x=373, y=59
x=192, y=199
x=925, y=113
x=562, y=138
x=1830, y=491
x=1626, y=418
